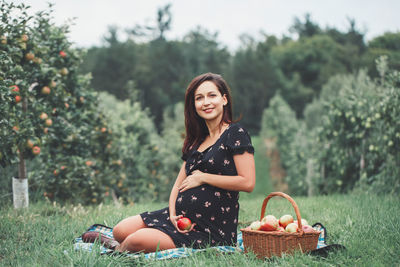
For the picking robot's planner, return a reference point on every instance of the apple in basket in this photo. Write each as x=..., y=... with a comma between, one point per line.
x=280, y=229
x=307, y=229
x=256, y=225
x=291, y=228
x=303, y=222
x=285, y=220
x=269, y=223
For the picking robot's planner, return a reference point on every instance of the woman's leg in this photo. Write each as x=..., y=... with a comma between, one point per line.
x=127, y=227
x=146, y=240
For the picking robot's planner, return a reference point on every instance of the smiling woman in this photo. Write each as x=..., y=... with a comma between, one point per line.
x=218, y=162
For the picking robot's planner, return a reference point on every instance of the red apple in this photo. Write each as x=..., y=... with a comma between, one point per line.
x=63, y=54
x=29, y=143
x=307, y=229
x=24, y=38
x=303, y=222
x=291, y=228
x=184, y=224
x=285, y=220
x=14, y=88
x=269, y=223
x=36, y=150
x=255, y=225
x=29, y=56
x=52, y=84
x=280, y=229
x=43, y=116
x=17, y=99
x=37, y=60
x=48, y=122
x=64, y=71
x=3, y=39
x=46, y=90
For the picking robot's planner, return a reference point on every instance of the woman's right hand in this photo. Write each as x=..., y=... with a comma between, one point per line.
x=174, y=220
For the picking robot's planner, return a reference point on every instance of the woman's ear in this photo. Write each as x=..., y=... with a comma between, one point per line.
x=225, y=100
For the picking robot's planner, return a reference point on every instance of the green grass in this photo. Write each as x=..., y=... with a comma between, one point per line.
x=367, y=225
x=263, y=181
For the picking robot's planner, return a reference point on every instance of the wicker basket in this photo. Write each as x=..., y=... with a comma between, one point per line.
x=274, y=243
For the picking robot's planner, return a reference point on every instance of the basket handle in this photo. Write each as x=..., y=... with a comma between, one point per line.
x=296, y=208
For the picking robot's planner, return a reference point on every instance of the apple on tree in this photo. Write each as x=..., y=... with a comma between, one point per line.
x=36, y=150
x=43, y=116
x=29, y=56
x=48, y=122
x=14, y=88
x=46, y=90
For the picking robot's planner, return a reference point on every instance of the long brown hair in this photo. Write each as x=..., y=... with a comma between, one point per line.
x=196, y=128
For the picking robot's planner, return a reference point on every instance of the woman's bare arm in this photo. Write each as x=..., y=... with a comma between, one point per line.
x=244, y=181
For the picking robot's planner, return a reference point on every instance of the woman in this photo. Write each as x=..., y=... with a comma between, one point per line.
x=218, y=163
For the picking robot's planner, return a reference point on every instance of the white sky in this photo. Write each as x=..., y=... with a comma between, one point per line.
x=230, y=18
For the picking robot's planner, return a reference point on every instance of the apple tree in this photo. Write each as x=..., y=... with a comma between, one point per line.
x=48, y=110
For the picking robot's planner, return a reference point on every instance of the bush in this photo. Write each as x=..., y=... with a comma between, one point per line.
x=149, y=162
x=349, y=139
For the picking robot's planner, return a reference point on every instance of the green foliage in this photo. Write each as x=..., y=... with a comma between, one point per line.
x=349, y=138
x=57, y=112
x=362, y=133
x=148, y=163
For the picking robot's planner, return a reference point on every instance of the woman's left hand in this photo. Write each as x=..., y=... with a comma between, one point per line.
x=193, y=180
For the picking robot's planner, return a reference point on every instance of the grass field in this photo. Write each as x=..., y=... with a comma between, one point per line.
x=367, y=225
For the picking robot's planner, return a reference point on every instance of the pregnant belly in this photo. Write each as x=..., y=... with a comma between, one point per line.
x=204, y=200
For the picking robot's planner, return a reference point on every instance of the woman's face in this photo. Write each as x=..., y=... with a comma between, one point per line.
x=209, y=102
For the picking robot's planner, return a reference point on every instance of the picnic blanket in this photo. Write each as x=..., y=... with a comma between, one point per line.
x=176, y=252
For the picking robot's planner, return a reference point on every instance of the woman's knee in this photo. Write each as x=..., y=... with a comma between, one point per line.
x=127, y=227
x=147, y=240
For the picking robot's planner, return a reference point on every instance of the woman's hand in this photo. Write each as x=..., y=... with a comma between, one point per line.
x=193, y=180
x=174, y=220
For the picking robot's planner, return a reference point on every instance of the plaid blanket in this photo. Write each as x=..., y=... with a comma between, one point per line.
x=176, y=252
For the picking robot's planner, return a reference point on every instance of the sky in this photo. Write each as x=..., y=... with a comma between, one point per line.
x=229, y=18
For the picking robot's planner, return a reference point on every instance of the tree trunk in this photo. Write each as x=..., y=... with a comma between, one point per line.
x=20, y=184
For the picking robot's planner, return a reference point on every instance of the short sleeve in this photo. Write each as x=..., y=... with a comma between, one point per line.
x=184, y=156
x=239, y=140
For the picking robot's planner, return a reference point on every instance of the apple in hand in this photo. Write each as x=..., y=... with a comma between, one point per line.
x=285, y=220
x=184, y=224
x=269, y=223
x=291, y=227
x=256, y=225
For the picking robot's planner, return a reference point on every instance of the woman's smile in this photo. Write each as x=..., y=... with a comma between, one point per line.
x=209, y=102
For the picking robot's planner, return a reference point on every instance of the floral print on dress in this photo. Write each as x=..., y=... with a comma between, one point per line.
x=214, y=210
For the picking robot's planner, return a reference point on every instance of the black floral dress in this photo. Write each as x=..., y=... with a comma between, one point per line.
x=214, y=210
